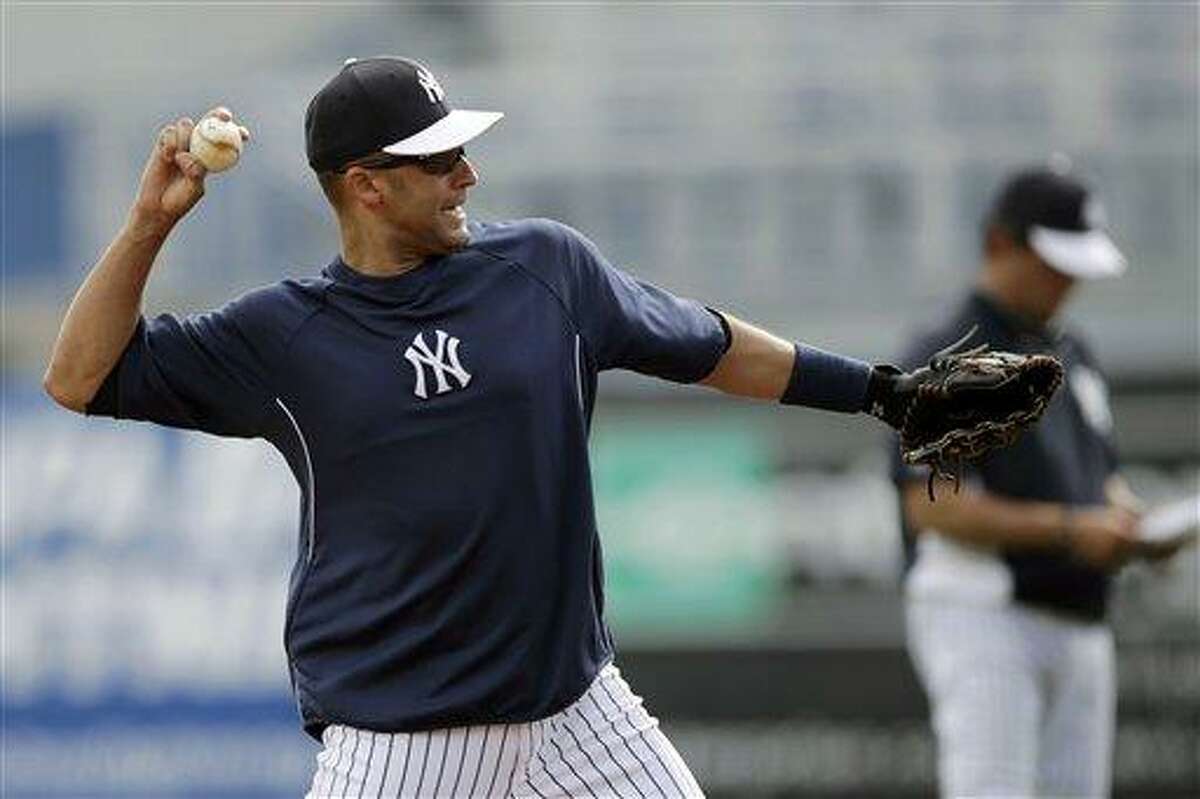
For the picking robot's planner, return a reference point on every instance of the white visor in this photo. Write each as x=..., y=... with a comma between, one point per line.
x=453, y=130
x=1084, y=254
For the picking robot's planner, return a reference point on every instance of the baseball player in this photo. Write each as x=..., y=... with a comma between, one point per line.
x=432, y=391
x=1008, y=579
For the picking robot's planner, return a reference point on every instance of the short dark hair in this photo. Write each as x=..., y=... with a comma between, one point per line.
x=331, y=185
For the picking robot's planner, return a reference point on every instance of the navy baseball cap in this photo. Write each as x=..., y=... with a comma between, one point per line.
x=1061, y=220
x=393, y=105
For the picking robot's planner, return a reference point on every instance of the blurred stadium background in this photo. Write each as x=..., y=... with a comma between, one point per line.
x=820, y=168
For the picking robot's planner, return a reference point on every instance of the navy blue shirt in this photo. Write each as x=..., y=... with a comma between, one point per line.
x=449, y=570
x=1066, y=457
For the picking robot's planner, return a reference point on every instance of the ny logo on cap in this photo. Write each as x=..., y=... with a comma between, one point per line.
x=429, y=83
x=442, y=360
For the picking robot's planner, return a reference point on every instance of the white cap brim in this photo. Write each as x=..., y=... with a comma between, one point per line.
x=453, y=130
x=1085, y=254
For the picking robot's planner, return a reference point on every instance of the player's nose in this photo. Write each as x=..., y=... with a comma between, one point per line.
x=465, y=175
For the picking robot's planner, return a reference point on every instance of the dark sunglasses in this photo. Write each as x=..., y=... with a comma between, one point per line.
x=433, y=164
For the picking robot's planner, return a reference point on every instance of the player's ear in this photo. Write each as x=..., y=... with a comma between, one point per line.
x=360, y=186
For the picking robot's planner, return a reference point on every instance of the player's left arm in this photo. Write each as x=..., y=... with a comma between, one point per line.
x=630, y=324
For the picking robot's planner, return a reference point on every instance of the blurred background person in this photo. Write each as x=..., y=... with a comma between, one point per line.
x=1008, y=588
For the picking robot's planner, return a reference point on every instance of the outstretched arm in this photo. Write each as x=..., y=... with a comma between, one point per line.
x=105, y=310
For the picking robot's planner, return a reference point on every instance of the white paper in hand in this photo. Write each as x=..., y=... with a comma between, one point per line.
x=1170, y=526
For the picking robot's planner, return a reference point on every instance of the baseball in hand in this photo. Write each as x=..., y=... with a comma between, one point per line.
x=217, y=143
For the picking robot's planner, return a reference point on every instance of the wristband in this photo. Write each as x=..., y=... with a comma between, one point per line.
x=827, y=381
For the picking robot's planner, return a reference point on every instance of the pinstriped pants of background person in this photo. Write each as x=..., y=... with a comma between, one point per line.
x=604, y=745
x=1023, y=701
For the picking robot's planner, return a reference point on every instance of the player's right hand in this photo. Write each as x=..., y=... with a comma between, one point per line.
x=173, y=179
x=1104, y=537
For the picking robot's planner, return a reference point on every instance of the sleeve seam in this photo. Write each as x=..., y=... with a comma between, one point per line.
x=272, y=388
x=291, y=339
x=547, y=287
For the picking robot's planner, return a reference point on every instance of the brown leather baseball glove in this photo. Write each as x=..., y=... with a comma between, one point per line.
x=965, y=404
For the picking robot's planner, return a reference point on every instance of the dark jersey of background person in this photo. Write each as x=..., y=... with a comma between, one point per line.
x=449, y=569
x=1066, y=457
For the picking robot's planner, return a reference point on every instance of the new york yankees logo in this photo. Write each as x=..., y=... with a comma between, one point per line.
x=429, y=83
x=442, y=360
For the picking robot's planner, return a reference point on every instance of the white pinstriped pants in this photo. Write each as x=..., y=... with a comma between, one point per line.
x=1023, y=702
x=603, y=745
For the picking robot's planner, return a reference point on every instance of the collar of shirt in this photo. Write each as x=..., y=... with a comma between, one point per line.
x=389, y=290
